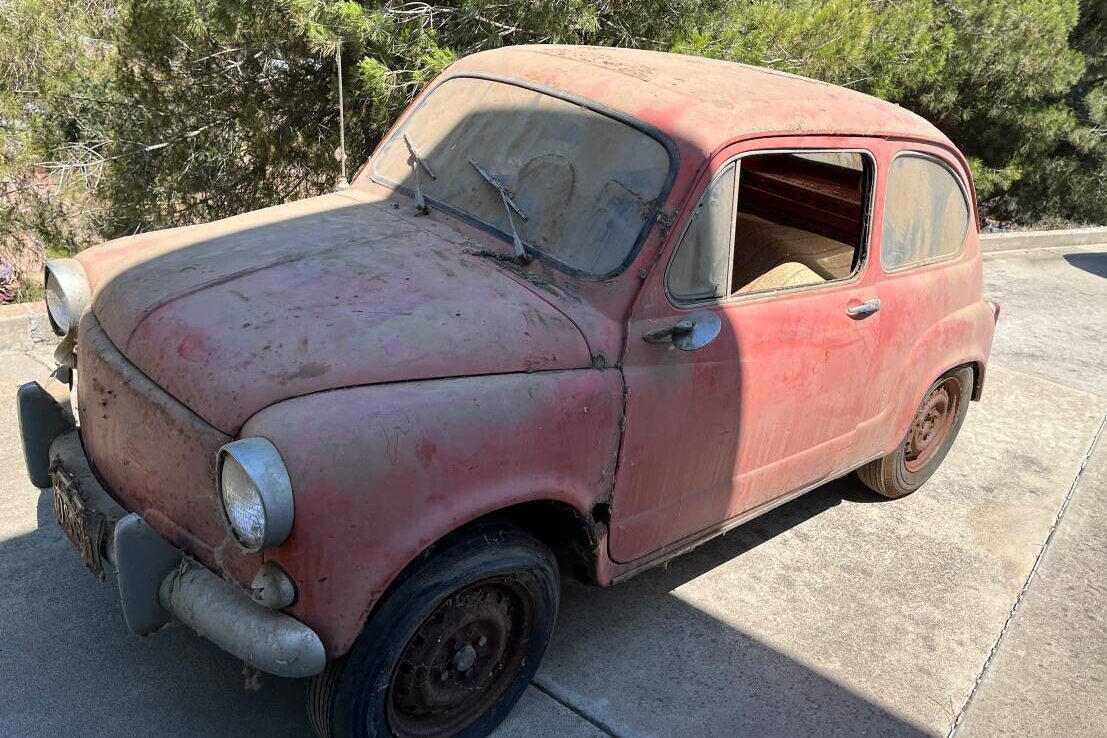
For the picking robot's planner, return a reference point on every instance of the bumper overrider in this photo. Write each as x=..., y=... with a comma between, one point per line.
x=155, y=579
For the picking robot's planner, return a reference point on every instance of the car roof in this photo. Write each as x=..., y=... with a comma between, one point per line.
x=700, y=103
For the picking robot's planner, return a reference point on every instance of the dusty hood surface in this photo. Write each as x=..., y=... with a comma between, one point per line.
x=330, y=292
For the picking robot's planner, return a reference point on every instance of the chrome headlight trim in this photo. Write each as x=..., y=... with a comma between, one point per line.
x=263, y=467
x=67, y=295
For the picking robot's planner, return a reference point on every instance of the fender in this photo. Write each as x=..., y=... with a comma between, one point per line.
x=381, y=472
x=963, y=337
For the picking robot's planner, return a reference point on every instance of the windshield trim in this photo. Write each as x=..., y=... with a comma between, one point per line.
x=647, y=224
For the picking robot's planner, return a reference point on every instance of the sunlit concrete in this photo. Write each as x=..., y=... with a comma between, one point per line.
x=1049, y=676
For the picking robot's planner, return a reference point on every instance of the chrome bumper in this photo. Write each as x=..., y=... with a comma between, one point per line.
x=156, y=579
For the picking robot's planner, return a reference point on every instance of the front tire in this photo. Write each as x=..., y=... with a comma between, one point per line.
x=929, y=439
x=452, y=648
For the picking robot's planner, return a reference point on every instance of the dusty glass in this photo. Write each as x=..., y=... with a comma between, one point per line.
x=585, y=183
x=926, y=215
x=701, y=265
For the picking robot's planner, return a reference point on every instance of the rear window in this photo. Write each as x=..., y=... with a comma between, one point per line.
x=926, y=213
x=586, y=185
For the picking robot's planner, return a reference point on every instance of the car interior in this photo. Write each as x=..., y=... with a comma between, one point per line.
x=801, y=219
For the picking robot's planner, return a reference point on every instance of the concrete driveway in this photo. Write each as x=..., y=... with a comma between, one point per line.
x=976, y=606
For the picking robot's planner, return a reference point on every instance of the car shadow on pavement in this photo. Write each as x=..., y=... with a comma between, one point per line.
x=653, y=656
x=746, y=537
x=70, y=666
x=1091, y=262
x=637, y=659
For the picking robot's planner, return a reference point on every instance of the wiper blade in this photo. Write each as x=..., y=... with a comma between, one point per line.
x=418, y=161
x=509, y=205
x=418, y=157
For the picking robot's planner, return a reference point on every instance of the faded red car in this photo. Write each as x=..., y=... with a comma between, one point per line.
x=582, y=310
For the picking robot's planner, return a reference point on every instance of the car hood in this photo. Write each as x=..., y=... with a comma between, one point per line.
x=334, y=291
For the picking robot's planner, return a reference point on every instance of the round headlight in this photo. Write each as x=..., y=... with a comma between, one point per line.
x=67, y=295
x=242, y=504
x=56, y=308
x=256, y=493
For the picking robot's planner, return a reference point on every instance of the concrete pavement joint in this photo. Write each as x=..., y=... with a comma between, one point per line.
x=1029, y=578
x=39, y=360
x=36, y=356
x=595, y=722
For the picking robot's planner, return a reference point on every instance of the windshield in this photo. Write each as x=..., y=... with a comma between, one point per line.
x=587, y=183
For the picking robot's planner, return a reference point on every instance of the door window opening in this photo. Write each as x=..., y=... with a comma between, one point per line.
x=798, y=220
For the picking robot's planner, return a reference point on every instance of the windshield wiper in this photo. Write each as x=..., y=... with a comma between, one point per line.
x=509, y=205
x=417, y=161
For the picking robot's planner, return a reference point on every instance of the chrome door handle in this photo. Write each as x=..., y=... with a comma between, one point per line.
x=868, y=307
x=663, y=335
x=691, y=333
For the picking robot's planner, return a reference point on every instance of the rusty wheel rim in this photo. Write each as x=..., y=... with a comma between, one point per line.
x=931, y=426
x=461, y=660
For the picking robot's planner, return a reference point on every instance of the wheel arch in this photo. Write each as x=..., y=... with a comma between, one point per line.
x=978, y=369
x=907, y=412
x=962, y=338
x=573, y=535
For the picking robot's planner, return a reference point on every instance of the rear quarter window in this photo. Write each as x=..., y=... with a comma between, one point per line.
x=926, y=213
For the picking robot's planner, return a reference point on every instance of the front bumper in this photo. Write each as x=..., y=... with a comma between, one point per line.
x=155, y=579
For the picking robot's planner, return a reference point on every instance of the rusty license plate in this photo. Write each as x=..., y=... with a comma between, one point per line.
x=83, y=526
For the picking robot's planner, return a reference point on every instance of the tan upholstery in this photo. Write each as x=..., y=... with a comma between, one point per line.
x=788, y=274
x=761, y=245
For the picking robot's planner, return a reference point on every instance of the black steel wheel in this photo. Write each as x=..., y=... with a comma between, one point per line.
x=929, y=438
x=462, y=659
x=452, y=648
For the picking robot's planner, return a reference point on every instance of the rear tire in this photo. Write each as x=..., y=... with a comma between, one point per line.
x=929, y=438
x=452, y=648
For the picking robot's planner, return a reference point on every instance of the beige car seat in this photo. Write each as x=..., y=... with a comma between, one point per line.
x=788, y=274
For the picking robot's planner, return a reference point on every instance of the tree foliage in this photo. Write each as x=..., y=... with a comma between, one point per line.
x=53, y=69
x=164, y=112
x=1068, y=178
x=991, y=75
x=224, y=106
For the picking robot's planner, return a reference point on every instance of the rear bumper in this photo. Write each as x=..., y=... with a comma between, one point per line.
x=155, y=579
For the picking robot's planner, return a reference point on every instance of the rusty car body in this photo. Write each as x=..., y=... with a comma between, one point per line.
x=611, y=302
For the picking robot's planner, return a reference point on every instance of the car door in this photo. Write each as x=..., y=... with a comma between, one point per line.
x=741, y=394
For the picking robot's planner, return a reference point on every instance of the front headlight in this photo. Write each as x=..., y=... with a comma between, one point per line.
x=56, y=308
x=256, y=493
x=67, y=295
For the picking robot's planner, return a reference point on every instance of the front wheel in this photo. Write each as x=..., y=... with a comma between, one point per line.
x=452, y=649
x=928, y=440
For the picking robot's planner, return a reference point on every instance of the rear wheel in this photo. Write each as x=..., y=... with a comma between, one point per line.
x=450, y=651
x=931, y=435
